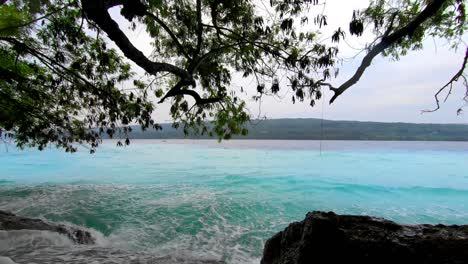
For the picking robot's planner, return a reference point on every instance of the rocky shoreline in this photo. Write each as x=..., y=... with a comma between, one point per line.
x=323, y=238
x=9, y=221
x=92, y=251
x=331, y=238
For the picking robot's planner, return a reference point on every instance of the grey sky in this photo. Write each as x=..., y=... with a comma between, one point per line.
x=389, y=91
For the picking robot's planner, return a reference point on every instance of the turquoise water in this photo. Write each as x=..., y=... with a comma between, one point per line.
x=201, y=199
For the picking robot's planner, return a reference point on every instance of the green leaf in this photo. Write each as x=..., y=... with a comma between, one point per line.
x=11, y=21
x=159, y=93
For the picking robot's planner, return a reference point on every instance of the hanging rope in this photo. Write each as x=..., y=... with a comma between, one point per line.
x=321, y=122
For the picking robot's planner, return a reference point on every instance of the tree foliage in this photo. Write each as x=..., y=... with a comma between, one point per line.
x=63, y=83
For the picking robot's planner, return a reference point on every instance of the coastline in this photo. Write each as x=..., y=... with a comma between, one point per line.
x=321, y=237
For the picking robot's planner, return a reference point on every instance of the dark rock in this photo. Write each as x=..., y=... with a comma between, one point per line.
x=9, y=221
x=330, y=238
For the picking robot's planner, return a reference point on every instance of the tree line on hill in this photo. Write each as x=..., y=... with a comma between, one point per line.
x=315, y=129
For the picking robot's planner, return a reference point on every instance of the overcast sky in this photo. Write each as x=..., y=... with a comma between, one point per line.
x=389, y=91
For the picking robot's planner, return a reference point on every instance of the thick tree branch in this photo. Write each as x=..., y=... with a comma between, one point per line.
x=96, y=10
x=407, y=31
x=197, y=97
x=177, y=90
x=172, y=92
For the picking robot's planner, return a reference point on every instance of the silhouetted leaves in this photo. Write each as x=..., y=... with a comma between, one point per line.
x=260, y=88
x=339, y=34
x=275, y=86
x=356, y=26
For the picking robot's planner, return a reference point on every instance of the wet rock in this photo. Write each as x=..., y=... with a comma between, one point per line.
x=330, y=238
x=9, y=221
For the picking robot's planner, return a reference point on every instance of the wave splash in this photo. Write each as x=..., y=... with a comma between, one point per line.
x=26, y=246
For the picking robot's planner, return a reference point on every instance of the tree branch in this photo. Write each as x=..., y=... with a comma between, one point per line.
x=197, y=97
x=194, y=66
x=171, y=34
x=450, y=83
x=199, y=29
x=407, y=31
x=177, y=90
x=172, y=92
x=390, y=27
x=214, y=18
x=96, y=10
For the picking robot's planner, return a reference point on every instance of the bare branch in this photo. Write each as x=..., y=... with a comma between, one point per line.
x=454, y=79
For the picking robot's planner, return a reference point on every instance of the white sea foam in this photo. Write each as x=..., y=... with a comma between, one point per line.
x=6, y=260
x=34, y=246
x=15, y=240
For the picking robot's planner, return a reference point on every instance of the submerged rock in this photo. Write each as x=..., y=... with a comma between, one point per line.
x=9, y=221
x=330, y=238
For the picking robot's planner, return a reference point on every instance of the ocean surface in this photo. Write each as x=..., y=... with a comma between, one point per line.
x=166, y=201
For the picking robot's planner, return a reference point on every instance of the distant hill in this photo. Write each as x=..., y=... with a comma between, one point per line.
x=303, y=129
